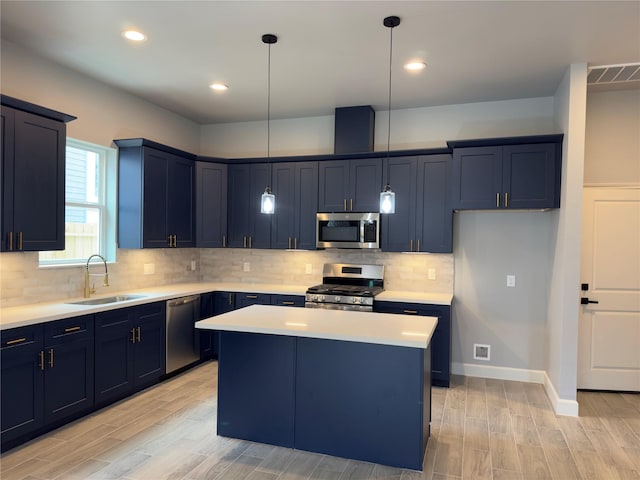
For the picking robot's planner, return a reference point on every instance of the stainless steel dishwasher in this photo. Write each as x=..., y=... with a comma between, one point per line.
x=182, y=344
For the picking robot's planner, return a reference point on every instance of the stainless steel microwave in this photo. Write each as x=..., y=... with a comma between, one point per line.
x=348, y=230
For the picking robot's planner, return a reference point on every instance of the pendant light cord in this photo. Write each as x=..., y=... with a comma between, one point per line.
x=389, y=109
x=269, y=105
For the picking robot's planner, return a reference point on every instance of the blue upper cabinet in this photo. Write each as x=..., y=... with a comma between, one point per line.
x=155, y=196
x=350, y=185
x=211, y=205
x=295, y=185
x=523, y=173
x=423, y=218
x=33, y=176
x=246, y=226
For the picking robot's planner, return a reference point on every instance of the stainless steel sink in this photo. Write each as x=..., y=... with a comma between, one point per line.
x=102, y=301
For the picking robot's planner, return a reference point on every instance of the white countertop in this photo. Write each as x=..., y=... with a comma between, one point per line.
x=381, y=328
x=24, y=315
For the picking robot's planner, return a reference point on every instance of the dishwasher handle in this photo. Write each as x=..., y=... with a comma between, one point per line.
x=183, y=301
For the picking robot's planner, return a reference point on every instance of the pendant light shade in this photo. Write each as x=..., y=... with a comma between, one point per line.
x=268, y=199
x=387, y=200
x=387, y=196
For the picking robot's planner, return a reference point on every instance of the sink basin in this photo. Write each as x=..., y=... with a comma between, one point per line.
x=102, y=301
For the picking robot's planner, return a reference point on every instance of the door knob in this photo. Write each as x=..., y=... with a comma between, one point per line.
x=586, y=301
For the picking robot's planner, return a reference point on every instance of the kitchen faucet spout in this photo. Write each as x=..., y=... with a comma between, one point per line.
x=88, y=290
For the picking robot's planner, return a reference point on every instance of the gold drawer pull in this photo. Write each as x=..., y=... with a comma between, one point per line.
x=411, y=312
x=20, y=241
x=51, y=357
x=17, y=340
x=138, y=337
x=133, y=335
x=288, y=303
x=10, y=241
x=252, y=296
x=71, y=329
x=41, y=364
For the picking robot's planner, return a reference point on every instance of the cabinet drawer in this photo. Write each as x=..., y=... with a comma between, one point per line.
x=21, y=336
x=288, y=300
x=69, y=329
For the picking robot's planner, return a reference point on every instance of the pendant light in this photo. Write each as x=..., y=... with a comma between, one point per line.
x=387, y=196
x=268, y=199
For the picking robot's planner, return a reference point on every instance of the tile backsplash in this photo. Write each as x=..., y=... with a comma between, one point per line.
x=22, y=282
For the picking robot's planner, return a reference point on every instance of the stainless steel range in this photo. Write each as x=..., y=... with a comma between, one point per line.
x=346, y=287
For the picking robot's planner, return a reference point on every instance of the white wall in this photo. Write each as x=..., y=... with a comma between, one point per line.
x=104, y=113
x=612, y=148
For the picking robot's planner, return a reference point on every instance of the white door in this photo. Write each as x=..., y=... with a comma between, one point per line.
x=609, y=333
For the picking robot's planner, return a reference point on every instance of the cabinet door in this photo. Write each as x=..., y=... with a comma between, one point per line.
x=149, y=349
x=39, y=177
x=211, y=205
x=68, y=379
x=477, y=178
x=283, y=180
x=434, y=220
x=238, y=205
x=7, y=119
x=21, y=379
x=207, y=338
x=529, y=176
x=365, y=184
x=180, y=201
x=155, y=228
x=114, y=339
x=223, y=302
x=399, y=229
x=260, y=223
x=333, y=185
x=246, y=299
x=306, y=203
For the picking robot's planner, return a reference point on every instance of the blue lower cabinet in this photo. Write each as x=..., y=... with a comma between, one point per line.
x=247, y=299
x=288, y=300
x=255, y=387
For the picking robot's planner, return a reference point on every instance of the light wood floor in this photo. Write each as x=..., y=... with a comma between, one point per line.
x=481, y=429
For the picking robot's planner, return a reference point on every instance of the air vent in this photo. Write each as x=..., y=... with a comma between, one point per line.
x=614, y=74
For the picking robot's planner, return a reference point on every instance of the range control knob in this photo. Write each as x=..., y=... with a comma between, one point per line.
x=338, y=298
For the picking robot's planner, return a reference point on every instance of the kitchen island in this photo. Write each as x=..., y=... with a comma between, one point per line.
x=349, y=384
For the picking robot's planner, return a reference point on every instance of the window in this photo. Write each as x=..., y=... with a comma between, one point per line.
x=89, y=205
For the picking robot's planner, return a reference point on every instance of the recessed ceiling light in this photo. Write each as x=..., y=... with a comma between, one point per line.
x=415, y=66
x=134, y=35
x=218, y=87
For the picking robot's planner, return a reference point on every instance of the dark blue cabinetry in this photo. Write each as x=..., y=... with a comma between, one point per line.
x=288, y=300
x=296, y=187
x=518, y=176
x=246, y=299
x=46, y=376
x=441, y=340
x=246, y=226
x=129, y=350
x=33, y=177
x=155, y=197
x=423, y=219
x=350, y=185
x=211, y=205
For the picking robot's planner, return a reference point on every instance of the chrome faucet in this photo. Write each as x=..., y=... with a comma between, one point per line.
x=89, y=290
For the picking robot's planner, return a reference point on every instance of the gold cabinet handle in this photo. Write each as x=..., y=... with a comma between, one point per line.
x=411, y=245
x=287, y=303
x=41, y=364
x=411, y=312
x=51, y=357
x=133, y=335
x=250, y=241
x=418, y=249
x=498, y=199
x=351, y=204
x=289, y=244
x=10, y=241
x=252, y=296
x=170, y=240
x=344, y=203
x=230, y=298
x=71, y=329
x=15, y=341
x=506, y=199
x=20, y=241
x=224, y=241
x=244, y=242
x=138, y=339
x=295, y=243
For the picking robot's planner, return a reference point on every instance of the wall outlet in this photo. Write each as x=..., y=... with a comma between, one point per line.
x=246, y=267
x=149, y=268
x=511, y=280
x=431, y=274
x=481, y=352
x=193, y=265
x=308, y=269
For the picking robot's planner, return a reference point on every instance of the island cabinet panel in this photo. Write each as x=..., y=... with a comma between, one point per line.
x=33, y=179
x=246, y=226
x=207, y=339
x=295, y=185
x=350, y=185
x=423, y=220
x=525, y=176
x=211, y=205
x=441, y=340
x=255, y=387
x=363, y=401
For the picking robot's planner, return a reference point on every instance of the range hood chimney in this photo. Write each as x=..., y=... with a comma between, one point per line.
x=354, y=129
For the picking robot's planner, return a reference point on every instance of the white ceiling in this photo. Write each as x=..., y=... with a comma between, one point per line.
x=329, y=54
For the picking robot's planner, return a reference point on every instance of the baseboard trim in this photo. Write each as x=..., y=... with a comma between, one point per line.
x=560, y=406
x=499, y=373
